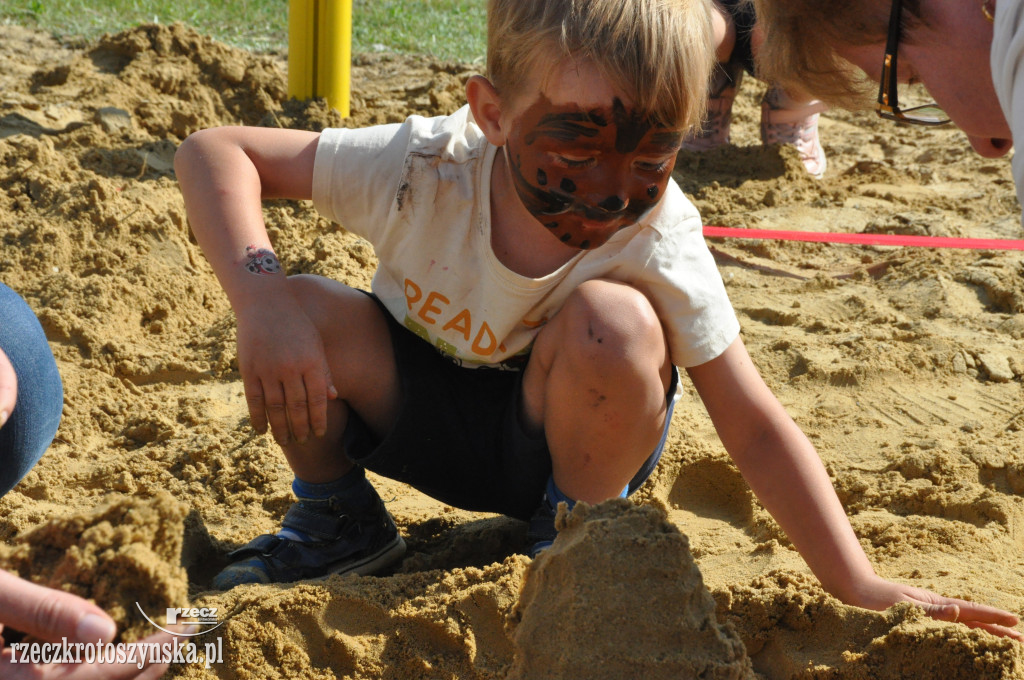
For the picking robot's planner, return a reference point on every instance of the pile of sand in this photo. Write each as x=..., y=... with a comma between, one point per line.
x=618, y=595
x=904, y=367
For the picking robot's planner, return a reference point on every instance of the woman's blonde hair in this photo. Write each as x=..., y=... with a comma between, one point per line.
x=801, y=36
x=661, y=52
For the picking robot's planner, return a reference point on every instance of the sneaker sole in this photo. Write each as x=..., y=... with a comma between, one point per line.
x=371, y=564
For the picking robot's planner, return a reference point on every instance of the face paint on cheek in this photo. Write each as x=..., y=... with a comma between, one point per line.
x=538, y=201
x=535, y=178
x=630, y=129
x=583, y=207
x=549, y=207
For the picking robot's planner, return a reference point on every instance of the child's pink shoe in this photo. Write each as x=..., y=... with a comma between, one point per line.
x=784, y=121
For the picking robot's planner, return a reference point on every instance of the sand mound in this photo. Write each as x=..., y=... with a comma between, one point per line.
x=618, y=595
x=431, y=624
x=904, y=366
x=124, y=555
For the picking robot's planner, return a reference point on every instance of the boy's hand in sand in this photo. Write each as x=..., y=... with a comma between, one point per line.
x=285, y=373
x=50, y=615
x=788, y=477
x=880, y=594
x=8, y=388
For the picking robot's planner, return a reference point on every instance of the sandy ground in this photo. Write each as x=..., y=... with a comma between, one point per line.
x=904, y=366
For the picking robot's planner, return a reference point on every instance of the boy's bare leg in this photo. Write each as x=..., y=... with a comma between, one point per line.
x=595, y=386
x=358, y=346
x=339, y=523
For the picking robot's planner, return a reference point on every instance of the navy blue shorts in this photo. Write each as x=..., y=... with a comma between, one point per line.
x=457, y=437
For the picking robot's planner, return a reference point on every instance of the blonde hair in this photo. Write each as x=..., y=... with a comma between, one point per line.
x=660, y=52
x=801, y=36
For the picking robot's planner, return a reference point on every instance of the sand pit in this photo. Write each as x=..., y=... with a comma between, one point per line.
x=904, y=366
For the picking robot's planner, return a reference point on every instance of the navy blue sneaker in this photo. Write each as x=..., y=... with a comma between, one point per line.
x=343, y=539
x=541, y=532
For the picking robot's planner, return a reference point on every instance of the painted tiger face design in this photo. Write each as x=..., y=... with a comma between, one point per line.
x=585, y=174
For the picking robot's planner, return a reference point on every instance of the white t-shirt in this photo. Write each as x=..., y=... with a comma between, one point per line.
x=419, y=191
x=1007, y=60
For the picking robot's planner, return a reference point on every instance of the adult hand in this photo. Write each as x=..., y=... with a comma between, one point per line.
x=50, y=615
x=285, y=373
x=8, y=388
x=881, y=594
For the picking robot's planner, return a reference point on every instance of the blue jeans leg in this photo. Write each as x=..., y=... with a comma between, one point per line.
x=33, y=422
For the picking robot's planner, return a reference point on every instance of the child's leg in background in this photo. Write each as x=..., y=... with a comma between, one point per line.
x=786, y=117
x=732, y=24
x=596, y=386
x=725, y=34
x=791, y=117
x=32, y=424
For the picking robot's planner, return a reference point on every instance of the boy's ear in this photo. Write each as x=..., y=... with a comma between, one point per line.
x=485, y=103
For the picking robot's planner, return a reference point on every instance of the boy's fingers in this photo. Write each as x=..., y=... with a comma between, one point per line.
x=50, y=614
x=151, y=670
x=317, y=393
x=971, y=611
x=257, y=404
x=276, y=411
x=995, y=621
x=941, y=612
x=297, y=404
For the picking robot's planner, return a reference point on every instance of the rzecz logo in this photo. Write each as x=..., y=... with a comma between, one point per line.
x=203, y=618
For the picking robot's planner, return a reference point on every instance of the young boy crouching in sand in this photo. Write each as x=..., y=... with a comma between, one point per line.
x=540, y=276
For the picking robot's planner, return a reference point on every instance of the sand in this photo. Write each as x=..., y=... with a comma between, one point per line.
x=904, y=366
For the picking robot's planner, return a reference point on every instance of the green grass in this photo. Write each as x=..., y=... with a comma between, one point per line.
x=447, y=29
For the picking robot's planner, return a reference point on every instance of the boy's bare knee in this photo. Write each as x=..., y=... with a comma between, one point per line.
x=610, y=321
x=300, y=284
x=314, y=294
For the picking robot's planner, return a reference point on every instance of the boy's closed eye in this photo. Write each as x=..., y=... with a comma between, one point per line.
x=654, y=165
x=575, y=162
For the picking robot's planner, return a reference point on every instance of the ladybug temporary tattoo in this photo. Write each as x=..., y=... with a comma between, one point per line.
x=261, y=261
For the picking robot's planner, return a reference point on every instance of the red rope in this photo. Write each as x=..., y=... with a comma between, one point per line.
x=867, y=239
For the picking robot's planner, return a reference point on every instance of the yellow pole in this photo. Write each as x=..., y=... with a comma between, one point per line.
x=320, y=51
x=300, y=48
x=334, y=53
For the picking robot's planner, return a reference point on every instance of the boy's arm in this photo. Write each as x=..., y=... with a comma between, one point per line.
x=785, y=472
x=224, y=174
